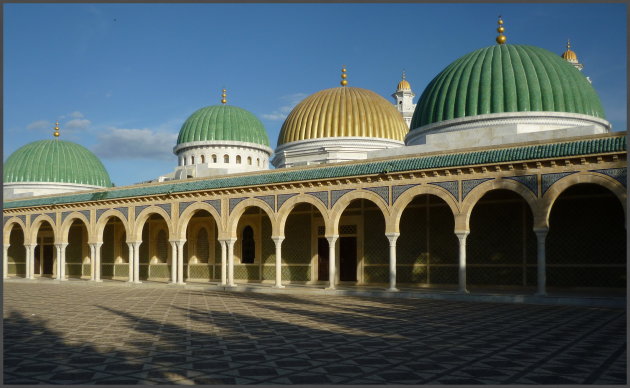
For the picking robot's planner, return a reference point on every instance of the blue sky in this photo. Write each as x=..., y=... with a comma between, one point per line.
x=122, y=78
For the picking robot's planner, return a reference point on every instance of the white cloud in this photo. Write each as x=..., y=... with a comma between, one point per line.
x=120, y=143
x=40, y=124
x=78, y=124
x=281, y=113
x=76, y=115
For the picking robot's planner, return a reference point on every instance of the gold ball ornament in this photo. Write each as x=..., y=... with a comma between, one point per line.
x=500, y=29
x=501, y=39
x=344, y=82
x=500, y=21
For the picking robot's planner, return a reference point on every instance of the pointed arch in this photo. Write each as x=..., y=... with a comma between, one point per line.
x=237, y=212
x=288, y=206
x=36, y=224
x=144, y=215
x=102, y=221
x=344, y=201
x=408, y=196
x=64, y=230
x=189, y=212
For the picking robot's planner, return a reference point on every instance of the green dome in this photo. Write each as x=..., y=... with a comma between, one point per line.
x=506, y=78
x=56, y=161
x=223, y=122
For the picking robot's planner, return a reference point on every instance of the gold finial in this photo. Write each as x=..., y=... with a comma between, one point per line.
x=501, y=38
x=223, y=100
x=343, y=82
x=56, y=134
x=568, y=44
x=403, y=75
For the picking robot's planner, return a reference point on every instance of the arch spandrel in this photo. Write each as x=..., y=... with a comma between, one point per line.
x=37, y=223
x=288, y=206
x=550, y=197
x=8, y=227
x=237, y=212
x=144, y=215
x=189, y=212
x=102, y=221
x=462, y=220
x=343, y=202
x=64, y=229
x=408, y=196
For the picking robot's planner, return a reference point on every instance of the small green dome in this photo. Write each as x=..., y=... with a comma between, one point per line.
x=506, y=78
x=223, y=122
x=56, y=161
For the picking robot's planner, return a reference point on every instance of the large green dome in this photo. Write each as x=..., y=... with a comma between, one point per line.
x=506, y=78
x=223, y=122
x=56, y=161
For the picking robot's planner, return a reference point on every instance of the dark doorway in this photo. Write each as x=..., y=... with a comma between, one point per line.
x=323, y=259
x=348, y=259
x=36, y=260
x=47, y=267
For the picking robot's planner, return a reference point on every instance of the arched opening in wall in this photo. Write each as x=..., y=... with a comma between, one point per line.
x=214, y=158
x=114, y=252
x=249, y=160
x=501, y=246
x=226, y=158
x=362, y=248
x=304, y=233
x=184, y=161
x=238, y=159
x=16, y=254
x=258, y=162
x=78, y=249
x=192, y=160
x=202, y=251
x=155, y=250
x=586, y=243
x=427, y=250
x=254, y=247
x=203, y=159
x=45, y=252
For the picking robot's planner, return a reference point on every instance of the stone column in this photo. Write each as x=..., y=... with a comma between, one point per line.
x=173, y=262
x=223, y=262
x=30, y=261
x=230, y=245
x=278, y=241
x=92, y=261
x=5, y=262
x=62, y=259
x=58, y=265
x=130, y=260
x=541, y=235
x=97, y=262
x=331, y=262
x=392, y=237
x=462, y=260
x=136, y=261
x=180, y=261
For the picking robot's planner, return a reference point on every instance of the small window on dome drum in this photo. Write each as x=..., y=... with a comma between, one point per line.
x=249, y=160
x=226, y=158
x=238, y=159
x=258, y=162
x=192, y=160
x=214, y=158
x=203, y=159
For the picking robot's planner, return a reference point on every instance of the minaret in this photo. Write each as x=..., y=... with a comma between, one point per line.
x=404, y=99
x=571, y=57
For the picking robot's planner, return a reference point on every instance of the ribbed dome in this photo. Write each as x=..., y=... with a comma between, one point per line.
x=56, y=161
x=341, y=112
x=223, y=122
x=506, y=78
x=404, y=85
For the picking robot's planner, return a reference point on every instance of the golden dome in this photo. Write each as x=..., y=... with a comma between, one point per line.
x=340, y=112
x=569, y=55
x=404, y=85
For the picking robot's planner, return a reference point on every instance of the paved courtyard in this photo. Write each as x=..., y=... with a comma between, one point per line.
x=78, y=333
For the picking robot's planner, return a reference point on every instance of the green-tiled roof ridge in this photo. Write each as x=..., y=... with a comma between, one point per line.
x=603, y=144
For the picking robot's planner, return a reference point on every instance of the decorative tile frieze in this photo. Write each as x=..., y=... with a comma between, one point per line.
x=399, y=189
x=184, y=205
x=215, y=203
x=450, y=186
x=124, y=211
x=529, y=181
x=336, y=194
x=99, y=212
x=269, y=200
x=53, y=216
x=282, y=198
x=618, y=174
x=166, y=207
x=382, y=191
x=470, y=184
x=550, y=179
x=138, y=209
x=321, y=195
x=235, y=201
x=20, y=216
x=65, y=215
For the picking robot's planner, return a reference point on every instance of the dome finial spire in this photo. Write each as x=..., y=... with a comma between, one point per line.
x=223, y=95
x=568, y=43
x=343, y=82
x=56, y=133
x=501, y=38
x=403, y=74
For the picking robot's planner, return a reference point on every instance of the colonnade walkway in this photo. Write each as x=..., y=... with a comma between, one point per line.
x=81, y=332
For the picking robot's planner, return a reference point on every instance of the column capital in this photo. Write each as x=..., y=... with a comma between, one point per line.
x=277, y=239
x=95, y=243
x=134, y=243
x=462, y=234
x=62, y=245
x=227, y=240
x=332, y=238
x=392, y=237
x=541, y=231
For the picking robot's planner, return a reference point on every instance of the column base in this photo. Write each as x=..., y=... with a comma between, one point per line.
x=278, y=286
x=98, y=281
x=330, y=288
x=181, y=283
x=137, y=282
x=464, y=291
x=63, y=279
x=540, y=294
x=393, y=289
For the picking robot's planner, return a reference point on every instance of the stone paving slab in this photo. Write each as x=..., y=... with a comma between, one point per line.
x=62, y=333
